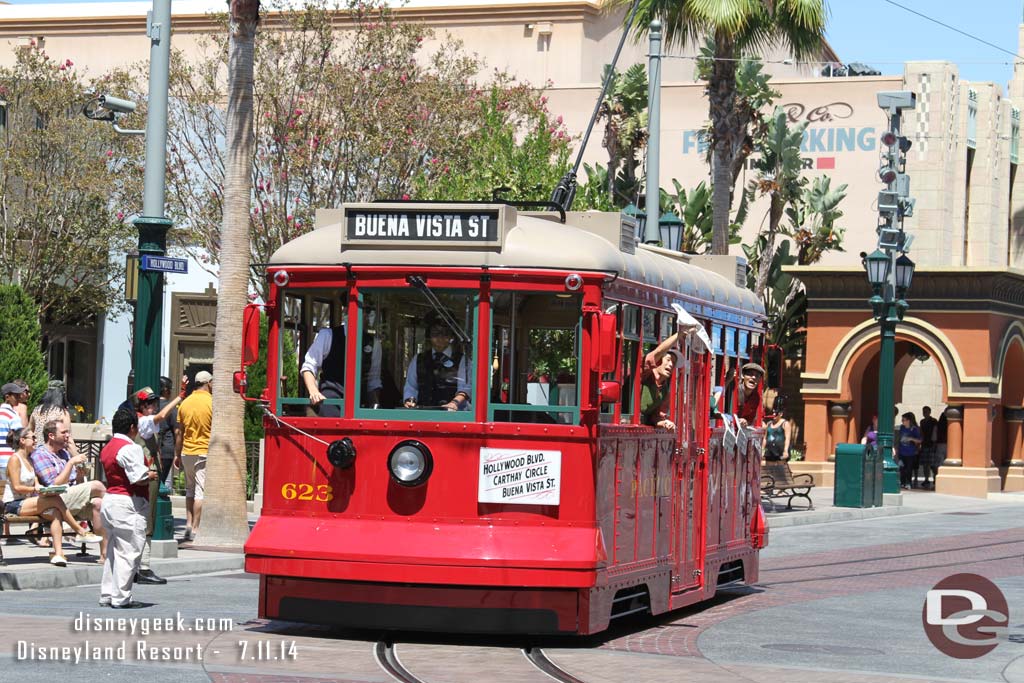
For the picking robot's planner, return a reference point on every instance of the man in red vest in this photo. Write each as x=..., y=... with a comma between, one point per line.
x=124, y=510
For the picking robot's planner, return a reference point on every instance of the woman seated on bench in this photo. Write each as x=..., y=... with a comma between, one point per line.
x=22, y=498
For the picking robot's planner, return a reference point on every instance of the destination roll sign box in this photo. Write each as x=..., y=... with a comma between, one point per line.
x=407, y=225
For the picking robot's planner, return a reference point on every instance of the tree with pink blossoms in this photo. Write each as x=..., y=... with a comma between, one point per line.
x=351, y=106
x=67, y=187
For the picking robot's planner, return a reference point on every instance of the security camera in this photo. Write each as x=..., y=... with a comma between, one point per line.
x=896, y=100
x=116, y=104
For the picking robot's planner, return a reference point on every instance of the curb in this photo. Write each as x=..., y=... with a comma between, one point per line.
x=779, y=520
x=81, y=574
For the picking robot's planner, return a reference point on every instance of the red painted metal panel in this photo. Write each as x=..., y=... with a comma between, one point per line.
x=625, y=499
x=646, y=495
x=440, y=574
x=366, y=488
x=433, y=542
x=715, y=469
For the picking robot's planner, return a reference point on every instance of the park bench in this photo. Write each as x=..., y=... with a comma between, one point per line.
x=42, y=532
x=778, y=481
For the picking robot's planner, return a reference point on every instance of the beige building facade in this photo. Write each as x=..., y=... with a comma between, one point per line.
x=969, y=215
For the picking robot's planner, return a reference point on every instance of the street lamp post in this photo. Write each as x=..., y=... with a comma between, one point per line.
x=152, y=225
x=890, y=270
x=890, y=278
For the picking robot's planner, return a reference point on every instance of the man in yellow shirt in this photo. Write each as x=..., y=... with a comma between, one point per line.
x=191, y=444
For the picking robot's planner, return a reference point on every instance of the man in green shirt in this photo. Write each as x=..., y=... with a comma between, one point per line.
x=655, y=393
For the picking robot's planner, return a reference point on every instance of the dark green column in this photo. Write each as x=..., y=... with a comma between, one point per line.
x=886, y=420
x=149, y=306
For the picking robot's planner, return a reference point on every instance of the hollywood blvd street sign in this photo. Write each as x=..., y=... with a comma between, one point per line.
x=163, y=264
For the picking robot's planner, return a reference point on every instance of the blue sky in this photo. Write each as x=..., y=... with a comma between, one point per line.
x=875, y=31
x=884, y=36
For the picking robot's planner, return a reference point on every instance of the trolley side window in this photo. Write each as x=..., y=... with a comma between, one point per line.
x=305, y=313
x=535, y=349
x=415, y=355
x=630, y=362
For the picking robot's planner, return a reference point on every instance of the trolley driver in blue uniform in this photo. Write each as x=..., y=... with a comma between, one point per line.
x=437, y=376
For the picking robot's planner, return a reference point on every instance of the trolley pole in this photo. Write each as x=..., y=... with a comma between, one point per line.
x=652, y=233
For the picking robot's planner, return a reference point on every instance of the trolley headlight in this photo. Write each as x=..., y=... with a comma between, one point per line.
x=410, y=463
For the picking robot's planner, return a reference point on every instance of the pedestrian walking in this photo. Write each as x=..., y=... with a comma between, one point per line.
x=191, y=446
x=909, y=447
x=929, y=439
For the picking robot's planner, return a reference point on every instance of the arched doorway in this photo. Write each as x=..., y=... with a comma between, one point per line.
x=1008, y=452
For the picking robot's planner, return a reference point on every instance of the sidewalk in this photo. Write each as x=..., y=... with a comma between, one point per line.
x=27, y=565
x=911, y=502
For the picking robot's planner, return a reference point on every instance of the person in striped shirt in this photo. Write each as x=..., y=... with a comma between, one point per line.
x=9, y=419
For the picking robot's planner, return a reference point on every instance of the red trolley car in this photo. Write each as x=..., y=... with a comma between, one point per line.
x=535, y=501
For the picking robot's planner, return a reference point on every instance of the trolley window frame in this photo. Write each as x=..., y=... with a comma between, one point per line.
x=411, y=414
x=555, y=287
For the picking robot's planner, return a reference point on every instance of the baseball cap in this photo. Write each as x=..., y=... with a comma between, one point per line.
x=11, y=388
x=203, y=377
x=145, y=394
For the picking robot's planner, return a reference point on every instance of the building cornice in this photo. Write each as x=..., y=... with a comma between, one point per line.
x=435, y=16
x=935, y=289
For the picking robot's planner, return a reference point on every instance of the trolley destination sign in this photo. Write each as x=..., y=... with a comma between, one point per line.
x=516, y=476
x=408, y=225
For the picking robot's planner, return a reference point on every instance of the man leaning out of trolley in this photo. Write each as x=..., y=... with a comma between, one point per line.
x=124, y=510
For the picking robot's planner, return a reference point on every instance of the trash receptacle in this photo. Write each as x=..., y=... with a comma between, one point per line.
x=858, y=476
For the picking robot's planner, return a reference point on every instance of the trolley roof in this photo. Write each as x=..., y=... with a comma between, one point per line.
x=530, y=241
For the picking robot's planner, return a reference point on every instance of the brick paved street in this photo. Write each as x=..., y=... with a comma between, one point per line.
x=839, y=603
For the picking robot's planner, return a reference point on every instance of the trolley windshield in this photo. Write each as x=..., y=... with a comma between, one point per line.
x=425, y=352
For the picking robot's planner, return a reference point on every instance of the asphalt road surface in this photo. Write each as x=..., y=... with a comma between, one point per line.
x=838, y=603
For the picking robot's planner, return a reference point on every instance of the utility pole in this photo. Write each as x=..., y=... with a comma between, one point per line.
x=651, y=231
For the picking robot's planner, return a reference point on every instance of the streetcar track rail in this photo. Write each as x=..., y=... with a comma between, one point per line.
x=900, y=570
x=881, y=558
x=387, y=659
x=542, y=663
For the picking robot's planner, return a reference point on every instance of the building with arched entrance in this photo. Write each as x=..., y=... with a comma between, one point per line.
x=960, y=347
x=967, y=323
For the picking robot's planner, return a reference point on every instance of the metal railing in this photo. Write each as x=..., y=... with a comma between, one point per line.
x=92, y=448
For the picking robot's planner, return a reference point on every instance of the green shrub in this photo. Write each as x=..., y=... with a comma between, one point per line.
x=21, y=355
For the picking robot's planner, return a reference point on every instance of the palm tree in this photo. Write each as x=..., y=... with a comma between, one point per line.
x=735, y=27
x=625, y=135
x=226, y=523
x=779, y=177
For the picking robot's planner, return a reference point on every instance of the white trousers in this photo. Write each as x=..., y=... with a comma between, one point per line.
x=125, y=520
